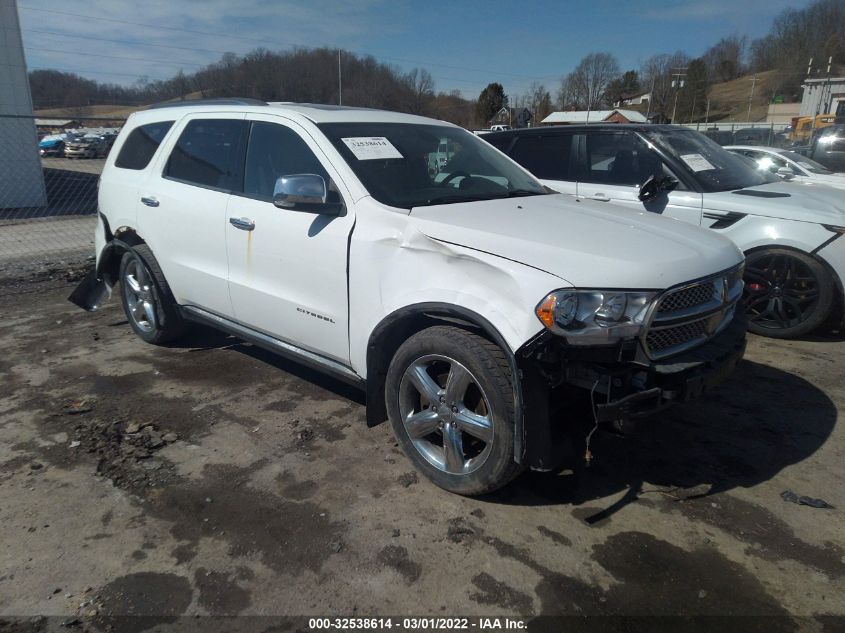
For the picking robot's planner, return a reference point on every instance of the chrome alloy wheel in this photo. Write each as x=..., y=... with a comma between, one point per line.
x=446, y=414
x=140, y=295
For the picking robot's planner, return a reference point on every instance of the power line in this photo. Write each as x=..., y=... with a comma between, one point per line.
x=127, y=42
x=138, y=59
x=273, y=42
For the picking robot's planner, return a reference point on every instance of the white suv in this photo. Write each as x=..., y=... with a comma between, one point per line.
x=467, y=302
x=791, y=233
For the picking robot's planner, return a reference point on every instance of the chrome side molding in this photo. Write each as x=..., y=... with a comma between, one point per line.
x=265, y=341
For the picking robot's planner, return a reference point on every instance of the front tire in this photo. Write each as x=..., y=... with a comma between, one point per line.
x=787, y=293
x=449, y=396
x=147, y=301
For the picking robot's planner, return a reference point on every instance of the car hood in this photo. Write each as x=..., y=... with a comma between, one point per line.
x=788, y=200
x=837, y=181
x=588, y=244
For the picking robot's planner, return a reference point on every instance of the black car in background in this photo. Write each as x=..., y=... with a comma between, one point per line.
x=828, y=147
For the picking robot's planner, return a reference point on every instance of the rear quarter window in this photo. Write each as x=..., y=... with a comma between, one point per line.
x=141, y=145
x=208, y=154
x=545, y=156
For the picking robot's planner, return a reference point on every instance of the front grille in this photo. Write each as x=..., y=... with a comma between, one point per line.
x=689, y=315
x=688, y=297
x=660, y=340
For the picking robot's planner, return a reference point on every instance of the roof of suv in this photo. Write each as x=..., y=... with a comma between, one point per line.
x=607, y=127
x=316, y=113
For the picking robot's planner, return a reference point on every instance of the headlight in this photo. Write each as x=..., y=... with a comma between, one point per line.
x=590, y=317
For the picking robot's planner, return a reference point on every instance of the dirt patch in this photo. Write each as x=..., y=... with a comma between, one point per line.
x=290, y=488
x=769, y=537
x=123, y=451
x=157, y=598
x=289, y=537
x=219, y=593
x=396, y=557
x=498, y=594
x=557, y=537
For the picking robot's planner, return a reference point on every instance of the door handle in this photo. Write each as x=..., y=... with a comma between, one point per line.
x=244, y=224
x=599, y=196
x=150, y=201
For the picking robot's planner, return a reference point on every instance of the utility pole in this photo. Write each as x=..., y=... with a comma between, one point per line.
x=650, y=97
x=339, y=80
x=677, y=84
x=707, y=114
x=753, y=83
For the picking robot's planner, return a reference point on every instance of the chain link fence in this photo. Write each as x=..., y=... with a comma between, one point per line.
x=750, y=133
x=49, y=170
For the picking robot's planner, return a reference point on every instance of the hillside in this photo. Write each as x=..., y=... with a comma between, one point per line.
x=100, y=111
x=729, y=100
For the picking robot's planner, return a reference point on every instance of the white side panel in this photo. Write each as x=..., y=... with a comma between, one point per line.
x=186, y=231
x=834, y=254
x=680, y=205
x=754, y=231
x=392, y=265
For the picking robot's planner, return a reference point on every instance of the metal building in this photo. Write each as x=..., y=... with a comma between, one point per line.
x=21, y=176
x=823, y=96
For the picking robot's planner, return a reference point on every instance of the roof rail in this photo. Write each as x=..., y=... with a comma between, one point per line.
x=233, y=101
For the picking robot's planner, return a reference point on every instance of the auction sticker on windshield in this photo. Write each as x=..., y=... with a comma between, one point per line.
x=371, y=147
x=696, y=162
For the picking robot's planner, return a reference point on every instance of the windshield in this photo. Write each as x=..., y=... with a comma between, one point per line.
x=410, y=165
x=712, y=166
x=806, y=163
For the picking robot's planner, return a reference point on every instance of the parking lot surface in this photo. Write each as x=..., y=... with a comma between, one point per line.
x=212, y=478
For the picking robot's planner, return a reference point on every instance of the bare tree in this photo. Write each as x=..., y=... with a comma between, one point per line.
x=567, y=95
x=656, y=77
x=724, y=59
x=538, y=101
x=422, y=89
x=591, y=78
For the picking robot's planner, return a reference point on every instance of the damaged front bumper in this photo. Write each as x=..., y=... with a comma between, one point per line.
x=623, y=382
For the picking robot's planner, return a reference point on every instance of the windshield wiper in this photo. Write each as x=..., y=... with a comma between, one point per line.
x=456, y=198
x=516, y=193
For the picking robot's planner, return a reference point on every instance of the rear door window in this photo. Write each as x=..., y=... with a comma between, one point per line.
x=141, y=145
x=209, y=153
x=545, y=156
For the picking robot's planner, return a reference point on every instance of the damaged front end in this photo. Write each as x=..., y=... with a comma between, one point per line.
x=622, y=382
x=692, y=338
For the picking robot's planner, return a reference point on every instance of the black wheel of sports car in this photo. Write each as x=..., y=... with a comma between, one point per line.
x=787, y=293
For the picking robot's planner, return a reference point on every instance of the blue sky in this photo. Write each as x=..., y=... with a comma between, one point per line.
x=465, y=44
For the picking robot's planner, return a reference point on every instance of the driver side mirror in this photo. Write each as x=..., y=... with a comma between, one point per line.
x=786, y=173
x=652, y=187
x=305, y=192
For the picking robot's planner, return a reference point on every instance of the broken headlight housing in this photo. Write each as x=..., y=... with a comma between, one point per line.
x=595, y=317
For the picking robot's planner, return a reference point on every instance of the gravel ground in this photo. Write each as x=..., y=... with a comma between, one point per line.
x=212, y=478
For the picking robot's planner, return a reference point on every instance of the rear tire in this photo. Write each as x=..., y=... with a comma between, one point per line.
x=449, y=397
x=787, y=293
x=147, y=301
